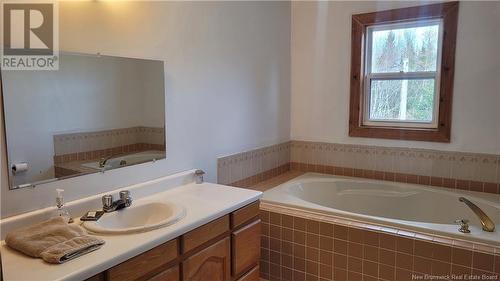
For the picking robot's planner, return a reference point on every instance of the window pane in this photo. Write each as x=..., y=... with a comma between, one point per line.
x=409, y=49
x=403, y=100
x=385, y=99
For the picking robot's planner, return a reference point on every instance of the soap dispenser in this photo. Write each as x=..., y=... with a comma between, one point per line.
x=61, y=209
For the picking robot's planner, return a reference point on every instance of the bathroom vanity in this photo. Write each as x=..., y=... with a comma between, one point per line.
x=227, y=248
x=217, y=239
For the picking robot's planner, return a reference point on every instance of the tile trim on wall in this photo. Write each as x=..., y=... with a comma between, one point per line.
x=96, y=144
x=106, y=139
x=455, y=170
x=250, y=167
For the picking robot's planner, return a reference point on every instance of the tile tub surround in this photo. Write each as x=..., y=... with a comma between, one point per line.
x=94, y=145
x=296, y=246
x=250, y=167
x=457, y=170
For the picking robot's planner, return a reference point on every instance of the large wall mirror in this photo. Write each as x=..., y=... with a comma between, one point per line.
x=94, y=114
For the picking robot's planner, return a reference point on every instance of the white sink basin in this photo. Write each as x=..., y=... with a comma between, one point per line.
x=137, y=218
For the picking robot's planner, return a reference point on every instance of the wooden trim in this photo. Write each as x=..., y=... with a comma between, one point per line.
x=431, y=11
x=448, y=12
x=170, y=274
x=251, y=275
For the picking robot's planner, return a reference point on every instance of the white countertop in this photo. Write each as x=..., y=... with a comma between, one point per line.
x=204, y=203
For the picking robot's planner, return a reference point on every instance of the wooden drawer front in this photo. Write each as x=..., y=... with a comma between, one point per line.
x=212, y=263
x=244, y=214
x=204, y=233
x=246, y=248
x=252, y=275
x=145, y=263
x=171, y=274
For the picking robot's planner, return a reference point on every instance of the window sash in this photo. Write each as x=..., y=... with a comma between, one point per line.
x=401, y=123
x=401, y=25
x=369, y=76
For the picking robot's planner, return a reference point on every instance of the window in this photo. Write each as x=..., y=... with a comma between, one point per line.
x=402, y=73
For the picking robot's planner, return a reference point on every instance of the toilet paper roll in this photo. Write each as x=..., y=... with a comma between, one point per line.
x=19, y=167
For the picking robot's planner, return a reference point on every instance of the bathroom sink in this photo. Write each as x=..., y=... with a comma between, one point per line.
x=137, y=218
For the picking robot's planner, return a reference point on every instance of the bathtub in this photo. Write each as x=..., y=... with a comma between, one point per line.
x=417, y=208
x=130, y=159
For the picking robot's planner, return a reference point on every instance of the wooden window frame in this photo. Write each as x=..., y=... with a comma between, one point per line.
x=448, y=13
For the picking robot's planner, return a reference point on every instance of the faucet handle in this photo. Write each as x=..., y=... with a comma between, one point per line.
x=125, y=197
x=464, y=225
x=124, y=194
x=107, y=201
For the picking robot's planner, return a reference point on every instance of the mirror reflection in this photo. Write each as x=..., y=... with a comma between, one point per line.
x=94, y=114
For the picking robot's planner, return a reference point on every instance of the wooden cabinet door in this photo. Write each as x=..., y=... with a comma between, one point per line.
x=212, y=263
x=171, y=274
x=246, y=248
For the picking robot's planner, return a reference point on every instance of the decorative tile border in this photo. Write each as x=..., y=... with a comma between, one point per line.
x=107, y=139
x=399, y=177
x=471, y=167
x=456, y=170
x=298, y=245
x=98, y=154
x=250, y=167
x=95, y=145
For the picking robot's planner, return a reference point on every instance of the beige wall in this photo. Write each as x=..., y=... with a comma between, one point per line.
x=321, y=63
x=227, y=82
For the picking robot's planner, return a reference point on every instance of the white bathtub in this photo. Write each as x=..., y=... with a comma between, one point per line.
x=130, y=159
x=418, y=208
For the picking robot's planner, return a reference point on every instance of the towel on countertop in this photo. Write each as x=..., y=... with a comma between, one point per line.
x=54, y=240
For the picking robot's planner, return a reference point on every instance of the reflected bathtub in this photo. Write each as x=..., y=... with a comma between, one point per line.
x=418, y=208
x=126, y=160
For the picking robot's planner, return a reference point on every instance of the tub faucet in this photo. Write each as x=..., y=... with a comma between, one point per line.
x=486, y=222
x=103, y=161
x=108, y=205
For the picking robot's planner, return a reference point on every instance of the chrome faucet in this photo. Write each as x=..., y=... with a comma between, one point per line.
x=108, y=205
x=486, y=222
x=103, y=161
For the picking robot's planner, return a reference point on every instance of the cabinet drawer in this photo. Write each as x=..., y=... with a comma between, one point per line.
x=244, y=214
x=171, y=274
x=145, y=263
x=245, y=248
x=212, y=263
x=252, y=275
x=204, y=233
